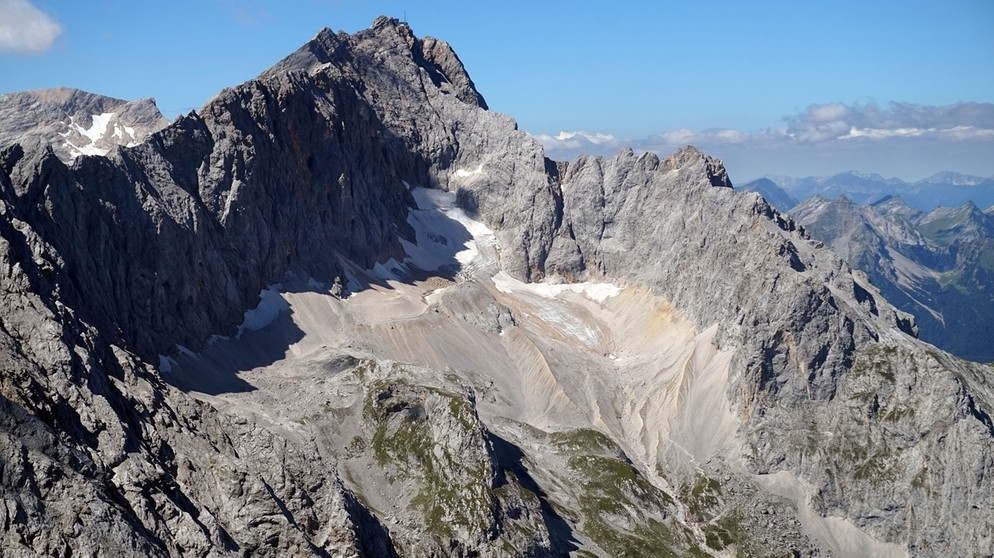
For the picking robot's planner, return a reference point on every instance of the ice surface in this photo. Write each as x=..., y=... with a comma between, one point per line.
x=598, y=292
x=166, y=364
x=271, y=303
x=390, y=270
x=463, y=173
x=445, y=235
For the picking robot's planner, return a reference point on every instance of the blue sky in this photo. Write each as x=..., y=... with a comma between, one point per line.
x=903, y=88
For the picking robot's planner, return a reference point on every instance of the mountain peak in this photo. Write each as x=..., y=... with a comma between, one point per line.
x=76, y=122
x=387, y=37
x=953, y=178
x=772, y=193
x=942, y=189
x=384, y=21
x=689, y=155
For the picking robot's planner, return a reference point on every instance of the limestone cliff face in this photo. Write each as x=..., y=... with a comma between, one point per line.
x=112, y=260
x=308, y=172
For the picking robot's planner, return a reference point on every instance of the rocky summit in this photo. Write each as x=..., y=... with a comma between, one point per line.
x=346, y=310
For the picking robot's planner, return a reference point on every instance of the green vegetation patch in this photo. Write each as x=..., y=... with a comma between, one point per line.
x=898, y=412
x=878, y=360
x=584, y=440
x=725, y=532
x=703, y=497
x=877, y=468
x=363, y=369
x=453, y=489
x=652, y=538
x=621, y=511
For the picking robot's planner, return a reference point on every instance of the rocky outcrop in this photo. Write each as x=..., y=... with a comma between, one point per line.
x=101, y=456
x=933, y=265
x=307, y=172
x=75, y=122
x=798, y=310
x=115, y=259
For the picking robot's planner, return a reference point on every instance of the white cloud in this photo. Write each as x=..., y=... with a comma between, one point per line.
x=877, y=133
x=580, y=142
x=901, y=139
x=26, y=29
x=579, y=137
x=840, y=121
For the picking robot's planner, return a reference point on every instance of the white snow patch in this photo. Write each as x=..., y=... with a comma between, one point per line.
x=123, y=133
x=598, y=292
x=166, y=364
x=101, y=127
x=390, y=270
x=463, y=173
x=98, y=127
x=96, y=131
x=546, y=304
x=566, y=322
x=271, y=303
x=445, y=235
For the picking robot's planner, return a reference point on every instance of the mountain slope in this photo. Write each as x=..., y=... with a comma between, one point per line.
x=934, y=265
x=75, y=122
x=385, y=324
x=772, y=193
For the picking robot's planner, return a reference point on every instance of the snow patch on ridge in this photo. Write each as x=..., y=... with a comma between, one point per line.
x=98, y=126
x=103, y=128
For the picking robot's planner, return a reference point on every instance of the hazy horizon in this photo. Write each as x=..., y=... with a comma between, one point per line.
x=894, y=88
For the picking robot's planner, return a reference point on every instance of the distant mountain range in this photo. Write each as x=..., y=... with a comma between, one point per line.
x=928, y=246
x=949, y=189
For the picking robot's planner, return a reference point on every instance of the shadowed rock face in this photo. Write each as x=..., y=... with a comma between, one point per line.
x=444, y=412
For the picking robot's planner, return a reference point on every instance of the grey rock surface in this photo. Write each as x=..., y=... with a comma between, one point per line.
x=75, y=122
x=102, y=457
x=846, y=430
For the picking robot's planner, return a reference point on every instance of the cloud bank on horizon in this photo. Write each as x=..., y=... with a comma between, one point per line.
x=828, y=138
x=26, y=29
